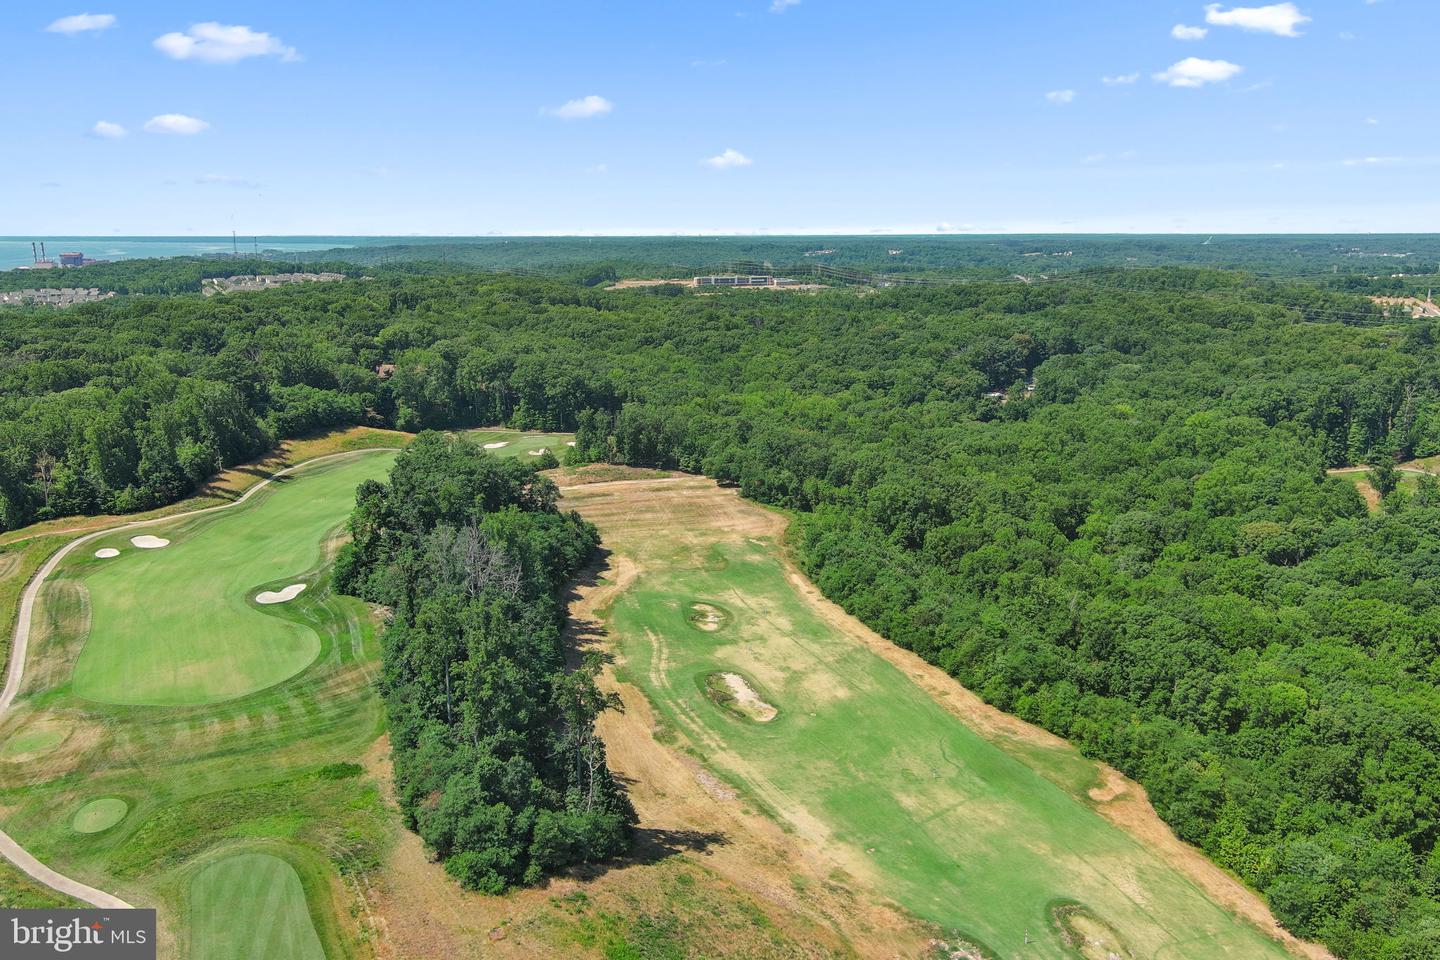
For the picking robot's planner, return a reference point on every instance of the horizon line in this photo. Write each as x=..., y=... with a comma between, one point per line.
x=719, y=235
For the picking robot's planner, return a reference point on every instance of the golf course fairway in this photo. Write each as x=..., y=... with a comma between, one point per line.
x=275, y=924
x=992, y=839
x=176, y=626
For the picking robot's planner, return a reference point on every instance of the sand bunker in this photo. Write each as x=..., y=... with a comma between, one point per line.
x=105, y=553
x=280, y=596
x=147, y=542
x=744, y=699
x=497, y=444
x=707, y=617
x=536, y=453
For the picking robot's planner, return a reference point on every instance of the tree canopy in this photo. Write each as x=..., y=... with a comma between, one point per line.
x=1103, y=504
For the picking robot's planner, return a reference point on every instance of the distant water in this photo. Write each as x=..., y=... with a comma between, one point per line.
x=15, y=251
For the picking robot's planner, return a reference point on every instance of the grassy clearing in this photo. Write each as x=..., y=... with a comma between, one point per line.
x=277, y=924
x=517, y=443
x=962, y=830
x=272, y=771
x=179, y=625
x=1408, y=484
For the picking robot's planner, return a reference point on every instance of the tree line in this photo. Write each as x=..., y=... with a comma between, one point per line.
x=497, y=762
x=1102, y=505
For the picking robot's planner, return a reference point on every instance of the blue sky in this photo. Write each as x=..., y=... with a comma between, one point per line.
x=718, y=116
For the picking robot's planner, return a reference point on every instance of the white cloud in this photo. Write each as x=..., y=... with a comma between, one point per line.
x=82, y=23
x=108, y=130
x=730, y=158
x=1280, y=19
x=1120, y=79
x=581, y=109
x=1371, y=121
x=222, y=180
x=176, y=123
x=1390, y=162
x=1059, y=97
x=780, y=6
x=1181, y=32
x=1195, y=72
x=213, y=42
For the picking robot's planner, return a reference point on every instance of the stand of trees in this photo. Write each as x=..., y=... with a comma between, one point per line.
x=1143, y=553
x=497, y=762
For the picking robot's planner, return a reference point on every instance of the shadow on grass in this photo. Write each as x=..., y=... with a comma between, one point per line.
x=585, y=636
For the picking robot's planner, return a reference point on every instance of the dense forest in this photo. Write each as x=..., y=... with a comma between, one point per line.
x=169, y=275
x=939, y=257
x=1100, y=503
x=497, y=762
x=1378, y=264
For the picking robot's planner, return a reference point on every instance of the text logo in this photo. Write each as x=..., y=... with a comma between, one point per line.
x=77, y=934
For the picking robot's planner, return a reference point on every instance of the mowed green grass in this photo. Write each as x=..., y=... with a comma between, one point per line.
x=177, y=625
x=520, y=444
x=974, y=836
x=251, y=906
x=98, y=815
x=270, y=771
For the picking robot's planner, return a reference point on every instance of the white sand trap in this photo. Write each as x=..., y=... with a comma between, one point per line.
x=536, y=453
x=280, y=596
x=748, y=700
x=147, y=542
x=569, y=443
x=497, y=444
x=105, y=553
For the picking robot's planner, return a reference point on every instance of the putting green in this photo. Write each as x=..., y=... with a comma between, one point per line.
x=977, y=835
x=98, y=815
x=176, y=627
x=251, y=906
